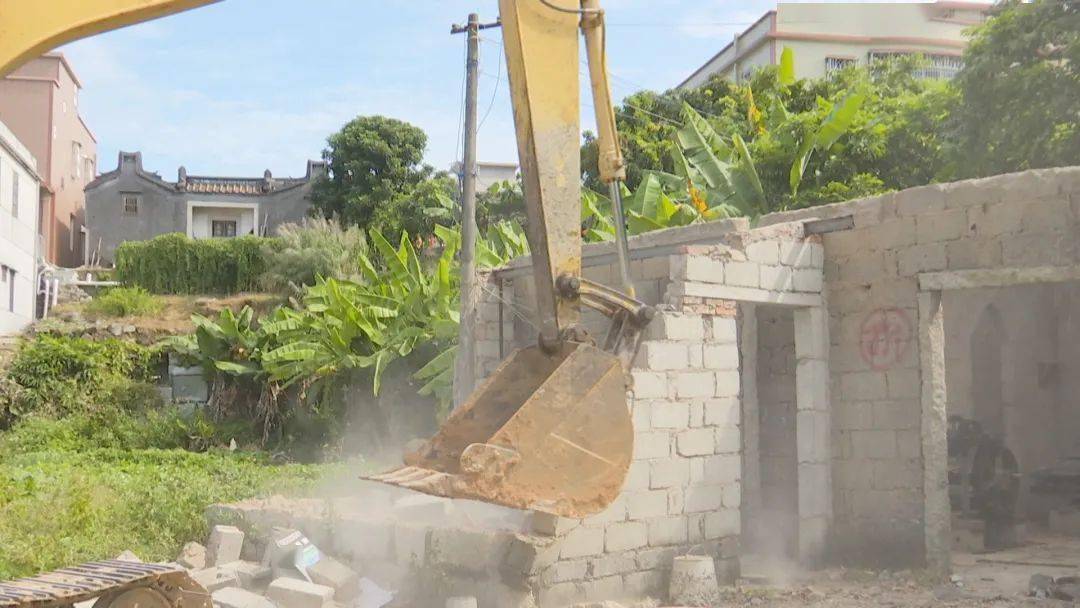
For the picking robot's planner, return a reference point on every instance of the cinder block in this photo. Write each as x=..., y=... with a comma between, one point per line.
x=421, y=507
x=295, y=593
x=235, y=597
x=917, y=201
x=625, y=536
x=561, y=572
x=742, y=274
x=764, y=252
x=192, y=556
x=667, y=531
x=724, y=330
x=973, y=253
x=796, y=254
x=701, y=498
x=694, y=384
x=224, y=545
x=659, y=356
x=945, y=226
x=646, y=505
x=728, y=440
x=608, y=565
x=582, y=542
x=669, y=472
x=251, y=575
x=331, y=573
x=922, y=258
x=776, y=278
x=653, y=444
x=669, y=415
x=696, y=442
x=723, y=468
x=733, y=495
x=649, y=385
x=874, y=444
x=553, y=525
x=703, y=269
x=214, y=578
x=807, y=280
x=721, y=524
x=675, y=326
x=863, y=386
x=727, y=383
x=720, y=356
x=724, y=411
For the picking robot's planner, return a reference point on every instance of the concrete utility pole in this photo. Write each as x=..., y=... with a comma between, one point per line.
x=464, y=374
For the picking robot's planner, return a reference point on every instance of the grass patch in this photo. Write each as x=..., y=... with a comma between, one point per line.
x=124, y=302
x=70, y=493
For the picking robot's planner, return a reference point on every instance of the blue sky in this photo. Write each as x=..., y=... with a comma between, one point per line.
x=244, y=85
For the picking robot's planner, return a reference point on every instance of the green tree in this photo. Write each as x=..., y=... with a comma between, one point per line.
x=373, y=160
x=1020, y=90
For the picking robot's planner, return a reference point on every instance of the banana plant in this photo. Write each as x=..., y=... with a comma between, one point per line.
x=838, y=121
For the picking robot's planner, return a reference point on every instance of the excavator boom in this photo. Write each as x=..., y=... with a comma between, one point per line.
x=550, y=430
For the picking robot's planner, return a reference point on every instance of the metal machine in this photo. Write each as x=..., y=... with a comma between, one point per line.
x=550, y=430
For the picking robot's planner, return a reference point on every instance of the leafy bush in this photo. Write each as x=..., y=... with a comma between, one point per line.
x=124, y=302
x=175, y=264
x=60, y=375
x=315, y=247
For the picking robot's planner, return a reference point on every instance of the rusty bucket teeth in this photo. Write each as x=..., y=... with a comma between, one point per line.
x=548, y=432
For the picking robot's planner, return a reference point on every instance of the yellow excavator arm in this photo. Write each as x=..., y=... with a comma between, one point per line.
x=550, y=430
x=29, y=28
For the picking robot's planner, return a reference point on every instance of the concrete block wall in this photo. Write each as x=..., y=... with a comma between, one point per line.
x=684, y=487
x=887, y=396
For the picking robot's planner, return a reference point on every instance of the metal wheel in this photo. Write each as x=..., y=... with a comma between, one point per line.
x=139, y=597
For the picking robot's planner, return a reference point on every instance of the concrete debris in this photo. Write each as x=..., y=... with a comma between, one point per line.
x=128, y=556
x=250, y=574
x=372, y=595
x=1065, y=588
x=290, y=554
x=336, y=575
x=461, y=602
x=294, y=593
x=224, y=546
x=192, y=556
x=423, y=508
x=214, y=578
x=235, y=597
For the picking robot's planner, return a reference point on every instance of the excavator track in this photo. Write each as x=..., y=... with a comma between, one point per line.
x=117, y=583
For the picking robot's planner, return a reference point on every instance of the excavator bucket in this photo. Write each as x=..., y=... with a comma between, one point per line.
x=547, y=432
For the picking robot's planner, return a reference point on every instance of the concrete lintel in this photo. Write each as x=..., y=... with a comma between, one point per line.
x=746, y=294
x=997, y=277
x=834, y=224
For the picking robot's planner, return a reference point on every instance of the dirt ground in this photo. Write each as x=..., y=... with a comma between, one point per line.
x=986, y=580
x=175, y=316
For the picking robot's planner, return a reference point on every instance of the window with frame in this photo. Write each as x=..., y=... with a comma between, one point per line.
x=130, y=202
x=223, y=228
x=76, y=159
x=8, y=275
x=14, y=193
x=834, y=64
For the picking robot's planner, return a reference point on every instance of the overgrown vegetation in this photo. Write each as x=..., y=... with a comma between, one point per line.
x=123, y=302
x=176, y=264
x=56, y=376
x=315, y=247
x=69, y=495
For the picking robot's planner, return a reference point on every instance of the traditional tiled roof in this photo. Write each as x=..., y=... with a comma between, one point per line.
x=200, y=184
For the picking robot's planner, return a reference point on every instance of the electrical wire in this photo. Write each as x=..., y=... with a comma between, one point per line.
x=494, y=92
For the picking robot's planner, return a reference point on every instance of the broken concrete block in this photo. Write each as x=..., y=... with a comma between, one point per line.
x=213, y=578
x=293, y=593
x=192, y=556
x=128, y=556
x=235, y=597
x=250, y=574
x=224, y=546
x=336, y=575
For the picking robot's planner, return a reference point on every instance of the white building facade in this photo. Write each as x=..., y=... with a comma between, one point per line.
x=19, y=224
x=828, y=36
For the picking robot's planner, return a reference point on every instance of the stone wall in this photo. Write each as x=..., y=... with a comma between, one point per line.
x=883, y=283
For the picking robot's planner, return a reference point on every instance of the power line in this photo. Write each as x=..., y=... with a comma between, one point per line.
x=494, y=91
